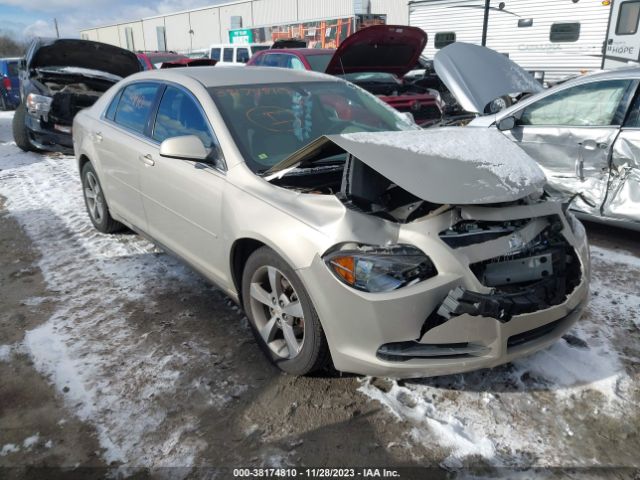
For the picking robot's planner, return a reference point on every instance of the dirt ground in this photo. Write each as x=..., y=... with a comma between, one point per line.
x=113, y=354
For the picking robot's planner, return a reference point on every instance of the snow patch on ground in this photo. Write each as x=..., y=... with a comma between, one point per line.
x=526, y=406
x=110, y=374
x=29, y=442
x=5, y=353
x=9, y=448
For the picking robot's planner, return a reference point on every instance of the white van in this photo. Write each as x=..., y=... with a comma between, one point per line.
x=234, y=53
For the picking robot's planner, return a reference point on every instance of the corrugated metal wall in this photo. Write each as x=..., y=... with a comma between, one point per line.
x=109, y=34
x=150, y=34
x=177, y=31
x=397, y=11
x=244, y=10
x=316, y=9
x=528, y=46
x=211, y=25
x=270, y=13
x=206, y=27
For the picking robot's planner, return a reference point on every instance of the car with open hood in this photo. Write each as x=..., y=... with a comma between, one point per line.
x=374, y=58
x=58, y=78
x=345, y=232
x=583, y=133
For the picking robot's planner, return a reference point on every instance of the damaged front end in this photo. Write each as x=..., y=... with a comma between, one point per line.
x=481, y=269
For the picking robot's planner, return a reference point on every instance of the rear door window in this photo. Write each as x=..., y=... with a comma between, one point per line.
x=135, y=105
x=215, y=54
x=178, y=115
x=628, y=18
x=227, y=55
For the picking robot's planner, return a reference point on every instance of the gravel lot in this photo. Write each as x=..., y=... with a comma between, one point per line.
x=115, y=354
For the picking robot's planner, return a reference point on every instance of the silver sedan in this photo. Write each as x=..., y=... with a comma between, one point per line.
x=346, y=233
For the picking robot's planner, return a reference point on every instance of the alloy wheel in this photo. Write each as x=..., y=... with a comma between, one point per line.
x=95, y=199
x=277, y=312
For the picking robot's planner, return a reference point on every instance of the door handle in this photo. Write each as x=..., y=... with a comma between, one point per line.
x=98, y=136
x=147, y=160
x=593, y=145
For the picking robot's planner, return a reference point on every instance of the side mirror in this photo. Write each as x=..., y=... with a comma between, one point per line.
x=506, y=123
x=187, y=147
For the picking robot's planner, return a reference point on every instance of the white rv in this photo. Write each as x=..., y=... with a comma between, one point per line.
x=623, y=35
x=558, y=37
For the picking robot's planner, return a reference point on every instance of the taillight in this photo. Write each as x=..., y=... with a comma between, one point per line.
x=6, y=83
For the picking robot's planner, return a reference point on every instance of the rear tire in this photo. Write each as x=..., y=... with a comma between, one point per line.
x=95, y=202
x=20, y=134
x=282, y=316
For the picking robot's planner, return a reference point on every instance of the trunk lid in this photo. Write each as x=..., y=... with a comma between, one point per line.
x=477, y=75
x=379, y=48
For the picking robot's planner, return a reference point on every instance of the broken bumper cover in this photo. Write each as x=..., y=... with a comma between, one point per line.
x=383, y=334
x=44, y=138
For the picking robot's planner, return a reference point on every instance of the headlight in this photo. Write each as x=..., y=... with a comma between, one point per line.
x=38, y=105
x=380, y=269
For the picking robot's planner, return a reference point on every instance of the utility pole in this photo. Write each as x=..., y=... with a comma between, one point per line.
x=485, y=23
x=55, y=22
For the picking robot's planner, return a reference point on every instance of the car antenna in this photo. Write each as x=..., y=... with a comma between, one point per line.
x=342, y=66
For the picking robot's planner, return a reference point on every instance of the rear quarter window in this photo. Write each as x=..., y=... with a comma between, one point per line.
x=135, y=105
x=215, y=54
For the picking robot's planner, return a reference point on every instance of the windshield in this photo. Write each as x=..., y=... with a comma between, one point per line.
x=270, y=122
x=319, y=62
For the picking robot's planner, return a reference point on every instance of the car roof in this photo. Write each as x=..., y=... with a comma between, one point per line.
x=624, y=73
x=229, y=76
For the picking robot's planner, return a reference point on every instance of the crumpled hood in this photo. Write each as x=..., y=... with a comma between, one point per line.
x=477, y=75
x=68, y=52
x=460, y=166
x=379, y=48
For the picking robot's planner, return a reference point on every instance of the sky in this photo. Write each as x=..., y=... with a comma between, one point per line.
x=23, y=19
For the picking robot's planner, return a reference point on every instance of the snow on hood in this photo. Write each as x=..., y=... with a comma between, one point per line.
x=380, y=48
x=456, y=165
x=477, y=75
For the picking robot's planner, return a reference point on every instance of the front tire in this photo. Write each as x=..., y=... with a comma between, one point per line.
x=20, y=134
x=95, y=202
x=282, y=315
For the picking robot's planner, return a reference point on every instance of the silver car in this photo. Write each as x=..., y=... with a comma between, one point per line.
x=584, y=133
x=346, y=233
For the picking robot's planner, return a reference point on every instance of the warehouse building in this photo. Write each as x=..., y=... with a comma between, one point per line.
x=323, y=23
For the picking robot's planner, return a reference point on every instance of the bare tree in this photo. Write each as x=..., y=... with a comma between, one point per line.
x=10, y=47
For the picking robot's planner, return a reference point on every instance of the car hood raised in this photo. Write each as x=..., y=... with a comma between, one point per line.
x=67, y=52
x=457, y=165
x=477, y=75
x=379, y=48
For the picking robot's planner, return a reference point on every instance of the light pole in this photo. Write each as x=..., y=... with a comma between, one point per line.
x=485, y=22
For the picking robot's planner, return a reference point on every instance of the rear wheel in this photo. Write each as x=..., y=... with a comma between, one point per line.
x=20, y=134
x=283, y=318
x=95, y=202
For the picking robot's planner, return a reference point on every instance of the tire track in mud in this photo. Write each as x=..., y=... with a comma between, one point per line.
x=112, y=375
